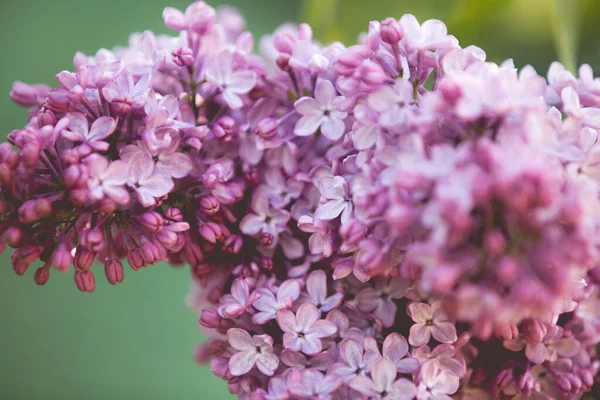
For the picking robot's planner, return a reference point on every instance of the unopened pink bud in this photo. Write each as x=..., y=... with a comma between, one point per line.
x=41, y=276
x=533, y=331
x=114, y=271
x=92, y=239
x=283, y=61
x=266, y=239
x=210, y=318
x=210, y=231
x=391, y=32
x=13, y=236
x=62, y=258
x=152, y=221
x=183, y=56
x=85, y=281
x=233, y=244
x=83, y=258
x=266, y=128
x=210, y=205
x=150, y=253
x=173, y=214
x=134, y=257
x=266, y=263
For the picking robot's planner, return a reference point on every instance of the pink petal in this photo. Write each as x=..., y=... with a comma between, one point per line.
x=395, y=346
x=242, y=362
x=306, y=316
x=407, y=365
x=403, y=389
x=289, y=288
x=268, y=363
x=308, y=106
x=242, y=81
x=251, y=224
x=333, y=128
x=536, y=353
x=330, y=210
x=444, y=332
x=365, y=386
x=232, y=99
x=383, y=373
x=364, y=137
x=240, y=339
x=419, y=312
x=174, y=19
x=308, y=125
x=311, y=346
x=286, y=320
x=386, y=312
x=351, y=353
x=292, y=341
x=321, y=328
x=316, y=285
x=567, y=347
x=419, y=334
x=324, y=92
x=157, y=185
x=101, y=128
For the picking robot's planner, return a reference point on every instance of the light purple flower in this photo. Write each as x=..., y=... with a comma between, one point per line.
x=383, y=383
x=232, y=83
x=588, y=116
x=279, y=190
x=124, y=94
x=313, y=384
x=380, y=299
x=107, y=179
x=168, y=159
x=239, y=301
x=395, y=349
x=148, y=182
x=294, y=359
x=264, y=219
x=90, y=137
x=303, y=331
x=320, y=112
x=430, y=321
x=436, y=384
x=257, y=349
x=277, y=390
x=335, y=199
x=445, y=354
x=198, y=17
x=269, y=304
x=316, y=288
x=553, y=345
x=353, y=360
x=431, y=35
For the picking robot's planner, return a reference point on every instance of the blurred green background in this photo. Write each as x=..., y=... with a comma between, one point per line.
x=135, y=340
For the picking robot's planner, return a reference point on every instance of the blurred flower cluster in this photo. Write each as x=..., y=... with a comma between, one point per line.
x=398, y=219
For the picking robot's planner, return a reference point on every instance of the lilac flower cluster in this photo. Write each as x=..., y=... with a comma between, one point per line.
x=398, y=219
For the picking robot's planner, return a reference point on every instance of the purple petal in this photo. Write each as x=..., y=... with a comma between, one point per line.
x=267, y=363
x=240, y=339
x=403, y=389
x=308, y=106
x=419, y=334
x=311, y=345
x=286, y=320
x=419, y=312
x=242, y=362
x=101, y=128
x=351, y=352
x=308, y=125
x=324, y=92
x=536, y=353
x=306, y=316
x=364, y=386
x=444, y=332
x=316, y=286
x=252, y=224
x=333, y=128
x=395, y=346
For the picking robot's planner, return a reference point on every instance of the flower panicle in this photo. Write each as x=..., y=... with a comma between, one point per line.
x=397, y=219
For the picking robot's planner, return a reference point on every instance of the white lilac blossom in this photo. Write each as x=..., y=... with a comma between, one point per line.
x=396, y=219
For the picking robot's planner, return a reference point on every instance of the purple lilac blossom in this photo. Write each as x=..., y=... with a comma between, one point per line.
x=396, y=219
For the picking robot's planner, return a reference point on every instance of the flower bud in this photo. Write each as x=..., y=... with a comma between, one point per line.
x=62, y=258
x=266, y=239
x=233, y=244
x=173, y=214
x=211, y=232
x=150, y=253
x=85, y=281
x=41, y=276
x=28, y=95
x=266, y=128
x=391, y=32
x=83, y=258
x=13, y=236
x=183, y=56
x=533, y=331
x=283, y=62
x=114, y=271
x=266, y=263
x=210, y=318
x=92, y=239
x=210, y=205
x=193, y=254
x=525, y=384
x=134, y=257
x=152, y=221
